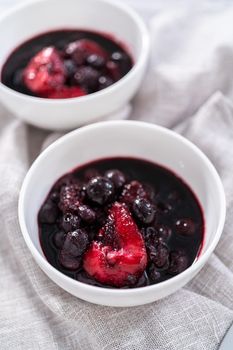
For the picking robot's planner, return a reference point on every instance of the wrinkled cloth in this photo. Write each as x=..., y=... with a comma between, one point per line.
x=188, y=87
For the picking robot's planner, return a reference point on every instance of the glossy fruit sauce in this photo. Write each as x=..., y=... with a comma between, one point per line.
x=99, y=214
x=66, y=63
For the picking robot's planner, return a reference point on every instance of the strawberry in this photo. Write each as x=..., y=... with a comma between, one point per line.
x=117, y=266
x=45, y=72
x=67, y=92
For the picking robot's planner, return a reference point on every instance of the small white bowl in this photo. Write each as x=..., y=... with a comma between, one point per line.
x=129, y=139
x=39, y=16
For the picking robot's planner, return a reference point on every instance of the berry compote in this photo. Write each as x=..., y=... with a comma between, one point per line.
x=122, y=223
x=65, y=64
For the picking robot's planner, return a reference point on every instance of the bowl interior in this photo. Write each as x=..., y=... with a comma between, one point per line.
x=129, y=139
x=42, y=15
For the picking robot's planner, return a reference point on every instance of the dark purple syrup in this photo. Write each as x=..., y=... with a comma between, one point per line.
x=177, y=229
x=12, y=71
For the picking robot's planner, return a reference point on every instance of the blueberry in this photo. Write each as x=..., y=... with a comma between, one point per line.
x=144, y=210
x=164, y=232
x=75, y=243
x=142, y=281
x=86, y=214
x=150, y=236
x=185, y=227
x=113, y=70
x=104, y=82
x=54, y=196
x=86, y=77
x=59, y=239
x=95, y=61
x=70, y=68
x=159, y=255
x=122, y=60
x=70, y=222
x=178, y=262
x=153, y=274
x=48, y=213
x=117, y=177
x=131, y=280
x=117, y=56
x=68, y=261
x=100, y=190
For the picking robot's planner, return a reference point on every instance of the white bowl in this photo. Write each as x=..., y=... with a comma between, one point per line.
x=39, y=16
x=130, y=139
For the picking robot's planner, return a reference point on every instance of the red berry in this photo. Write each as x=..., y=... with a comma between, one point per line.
x=117, y=266
x=79, y=50
x=45, y=72
x=132, y=191
x=70, y=198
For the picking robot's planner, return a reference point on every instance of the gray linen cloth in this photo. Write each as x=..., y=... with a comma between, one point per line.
x=37, y=314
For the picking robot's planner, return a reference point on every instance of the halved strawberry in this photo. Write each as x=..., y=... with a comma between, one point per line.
x=79, y=50
x=117, y=266
x=67, y=92
x=45, y=72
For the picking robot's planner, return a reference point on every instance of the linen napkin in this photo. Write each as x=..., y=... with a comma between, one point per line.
x=184, y=90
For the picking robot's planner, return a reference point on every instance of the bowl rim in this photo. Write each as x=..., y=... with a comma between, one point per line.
x=114, y=291
x=139, y=61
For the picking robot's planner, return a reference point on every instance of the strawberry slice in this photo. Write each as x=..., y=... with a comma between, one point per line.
x=67, y=92
x=119, y=265
x=45, y=72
